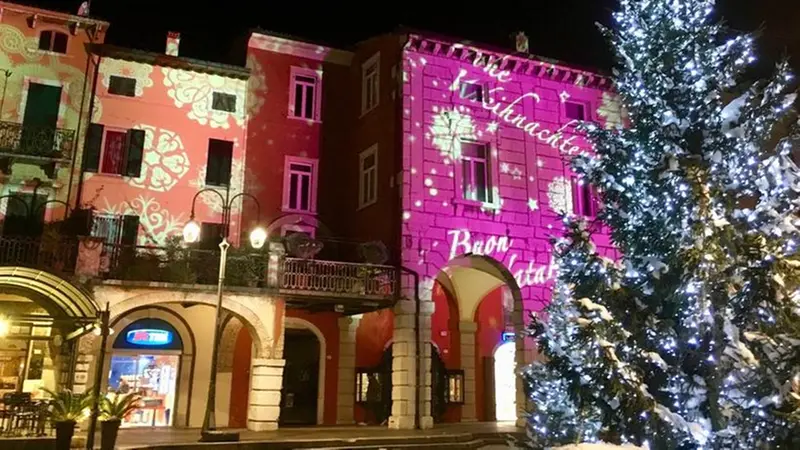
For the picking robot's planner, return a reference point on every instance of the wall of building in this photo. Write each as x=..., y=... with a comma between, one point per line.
x=173, y=107
x=25, y=63
x=274, y=133
x=340, y=164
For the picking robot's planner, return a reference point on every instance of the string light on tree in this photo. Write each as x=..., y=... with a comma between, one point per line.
x=690, y=340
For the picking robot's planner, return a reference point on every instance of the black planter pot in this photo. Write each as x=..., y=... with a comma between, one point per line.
x=108, y=433
x=64, y=432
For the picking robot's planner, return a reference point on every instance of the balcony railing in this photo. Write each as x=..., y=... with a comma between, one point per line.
x=25, y=140
x=54, y=255
x=309, y=276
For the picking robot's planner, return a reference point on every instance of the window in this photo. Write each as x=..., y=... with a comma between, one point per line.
x=53, y=41
x=370, y=83
x=114, y=151
x=299, y=184
x=223, y=102
x=455, y=387
x=575, y=111
x=218, y=168
x=583, y=199
x=368, y=177
x=122, y=86
x=116, y=230
x=475, y=179
x=471, y=91
x=368, y=386
x=288, y=230
x=304, y=101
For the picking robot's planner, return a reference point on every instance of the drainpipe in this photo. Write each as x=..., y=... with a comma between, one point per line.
x=417, y=338
x=79, y=193
x=80, y=122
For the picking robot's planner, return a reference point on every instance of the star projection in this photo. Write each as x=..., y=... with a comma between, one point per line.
x=689, y=340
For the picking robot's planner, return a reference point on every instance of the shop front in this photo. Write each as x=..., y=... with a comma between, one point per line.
x=146, y=359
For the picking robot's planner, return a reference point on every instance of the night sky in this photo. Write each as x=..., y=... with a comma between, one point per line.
x=561, y=29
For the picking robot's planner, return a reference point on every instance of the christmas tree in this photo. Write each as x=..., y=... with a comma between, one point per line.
x=689, y=337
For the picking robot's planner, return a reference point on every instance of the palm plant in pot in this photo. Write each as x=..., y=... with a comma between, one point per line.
x=66, y=409
x=113, y=408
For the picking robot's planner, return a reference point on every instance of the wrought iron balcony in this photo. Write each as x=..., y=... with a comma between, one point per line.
x=53, y=255
x=311, y=277
x=35, y=141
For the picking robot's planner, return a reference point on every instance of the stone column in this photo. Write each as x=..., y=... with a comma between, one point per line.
x=519, y=358
x=469, y=411
x=404, y=366
x=265, y=394
x=346, y=386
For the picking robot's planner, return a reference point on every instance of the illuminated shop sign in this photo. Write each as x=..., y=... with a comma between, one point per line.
x=508, y=336
x=149, y=337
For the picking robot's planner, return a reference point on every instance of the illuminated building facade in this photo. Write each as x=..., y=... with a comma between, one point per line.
x=410, y=180
x=466, y=149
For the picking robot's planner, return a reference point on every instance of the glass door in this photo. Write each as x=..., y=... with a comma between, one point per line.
x=154, y=377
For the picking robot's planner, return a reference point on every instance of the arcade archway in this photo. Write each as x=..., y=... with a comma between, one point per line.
x=489, y=313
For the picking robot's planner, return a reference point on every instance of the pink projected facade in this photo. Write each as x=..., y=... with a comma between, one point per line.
x=487, y=139
x=486, y=142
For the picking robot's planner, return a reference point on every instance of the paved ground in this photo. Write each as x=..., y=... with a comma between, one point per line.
x=331, y=437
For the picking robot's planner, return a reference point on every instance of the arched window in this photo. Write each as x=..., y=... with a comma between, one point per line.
x=53, y=41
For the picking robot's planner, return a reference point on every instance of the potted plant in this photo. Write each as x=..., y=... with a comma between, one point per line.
x=66, y=408
x=113, y=408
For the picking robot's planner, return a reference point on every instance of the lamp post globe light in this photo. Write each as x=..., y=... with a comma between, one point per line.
x=191, y=234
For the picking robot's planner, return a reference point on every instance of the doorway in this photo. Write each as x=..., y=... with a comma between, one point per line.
x=300, y=386
x=438, y=386
x=505, y=383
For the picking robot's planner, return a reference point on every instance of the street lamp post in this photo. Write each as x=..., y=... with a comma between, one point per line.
x=191, y=234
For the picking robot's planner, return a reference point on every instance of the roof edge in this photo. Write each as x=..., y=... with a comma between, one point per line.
x=177, y=62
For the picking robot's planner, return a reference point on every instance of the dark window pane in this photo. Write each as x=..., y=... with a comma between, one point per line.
x=45, y=40
x=480, y=181
x=306, y=79
x=293, y=191
x=298, y=100
x=60, y=43
x=309, y=112
x=300, y=168
x=223, y=102
x=471, y=91
x=305, y=192
x=575, y=111
x=218, y=169
x=122, y=86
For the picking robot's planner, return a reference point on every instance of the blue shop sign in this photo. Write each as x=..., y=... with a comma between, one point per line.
x=149, y=337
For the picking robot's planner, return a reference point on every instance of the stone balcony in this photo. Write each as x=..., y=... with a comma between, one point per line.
x=315, y=284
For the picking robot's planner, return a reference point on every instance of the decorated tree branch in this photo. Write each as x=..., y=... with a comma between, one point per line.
x=690, y=339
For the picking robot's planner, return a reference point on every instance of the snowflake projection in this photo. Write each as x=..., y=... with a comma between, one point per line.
x=256, y=86
x=140, y=72
x=611, y=111
x=156, y=221
x=196, y=90
x=516, y=173
x=559, y=194
x=449, y=128
x=165, y=160
x=533, y=204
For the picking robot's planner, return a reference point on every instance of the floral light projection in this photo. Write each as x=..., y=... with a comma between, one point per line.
x=156, y=223
x=165, y=160
x=256, y=86
x=197, y=89
x=559, y=194
x=140, y=72
x=449, y=128
x=236, y=186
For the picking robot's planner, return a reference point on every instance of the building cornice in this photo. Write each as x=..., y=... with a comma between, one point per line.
x=175, y=62
x=52, y=16
x=300, y=49
x=519, y=63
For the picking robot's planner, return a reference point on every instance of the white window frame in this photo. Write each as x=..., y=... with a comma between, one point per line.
x=287, y=182
x=362, y=174
x=373, y=80
x=317, y=102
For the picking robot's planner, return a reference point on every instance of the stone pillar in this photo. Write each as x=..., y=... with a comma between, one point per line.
x=265, y=394
x=469, y=412
x=519, y=358
x=346, y=388
x=404, y=366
